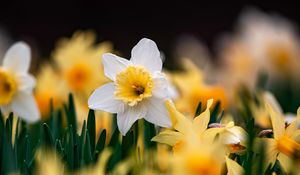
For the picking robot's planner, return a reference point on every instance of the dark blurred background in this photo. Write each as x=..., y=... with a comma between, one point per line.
x=125, y=22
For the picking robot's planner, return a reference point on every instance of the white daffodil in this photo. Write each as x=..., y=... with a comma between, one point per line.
x=138, y=89
x=16, y=84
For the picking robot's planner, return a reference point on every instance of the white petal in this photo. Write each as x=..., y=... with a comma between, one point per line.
x=128, y=117
x=146, y=54
x=26, y=82
x=17, y=58
x=25, y=107
x=161, y=84
x=157, y=113
x=113, y=64
x=103, y=99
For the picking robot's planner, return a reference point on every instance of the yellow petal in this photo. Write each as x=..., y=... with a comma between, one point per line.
x=271, y=150
x=233, y=167
x=179, y=121
x=285, y=162
x=168, y=137
x=210, y=134
x=292, y=128
x=200, y=122
x=278, y=123
x=296, y=136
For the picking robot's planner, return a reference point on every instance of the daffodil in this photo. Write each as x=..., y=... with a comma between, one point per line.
x=184, y=128
x=272, y=42
x=138, y=89
x=199, y=158
x=234, y=137
x=77, y=59
x=16, y=84
x=285, y=143
x=261, y=113
x=193, y=89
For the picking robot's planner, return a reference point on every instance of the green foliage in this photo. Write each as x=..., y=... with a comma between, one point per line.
x=76, y=149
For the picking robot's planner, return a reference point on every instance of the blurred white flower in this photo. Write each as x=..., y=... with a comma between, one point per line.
x=272, y=41
x=16, y=84
x=138, y=89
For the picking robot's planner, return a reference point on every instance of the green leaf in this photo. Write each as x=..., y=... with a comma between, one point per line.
x=48, y=137
x=198, y=109
x=114, y=138
x=56, y=123
x=82, y=142
x=8, y=164
x=215, y=112
x=116, y=157
x=248, y=163
x=8, y=127
x=58, y=147
x=149, y=133
x=87, y=151
x=70, y=148
x=71, y=114
x=91, y=126
x=100, y=144
x=2, y=125
x=127, y=143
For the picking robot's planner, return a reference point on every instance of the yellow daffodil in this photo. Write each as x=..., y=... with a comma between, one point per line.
x=261, y=113
x=193, y=89
x=184, y=127
x=285, y=143
x=232, y=136
x=138, y=89
x=78, y=60
x=198, y=158
x=16, y=84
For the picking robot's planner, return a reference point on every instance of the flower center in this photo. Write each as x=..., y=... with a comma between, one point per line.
x=133, y=85
x=198, y=164
x=77, y=76
x=288, y=146
x=8, y=87
x=178, y=146
x=280, y=56
x=236, y=148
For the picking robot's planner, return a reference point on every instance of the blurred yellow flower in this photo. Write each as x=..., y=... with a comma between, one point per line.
x=285, y=143
x=193, y=89
x=80, y=66
x=48, y=163
x=79, y=61
x=198, y=158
